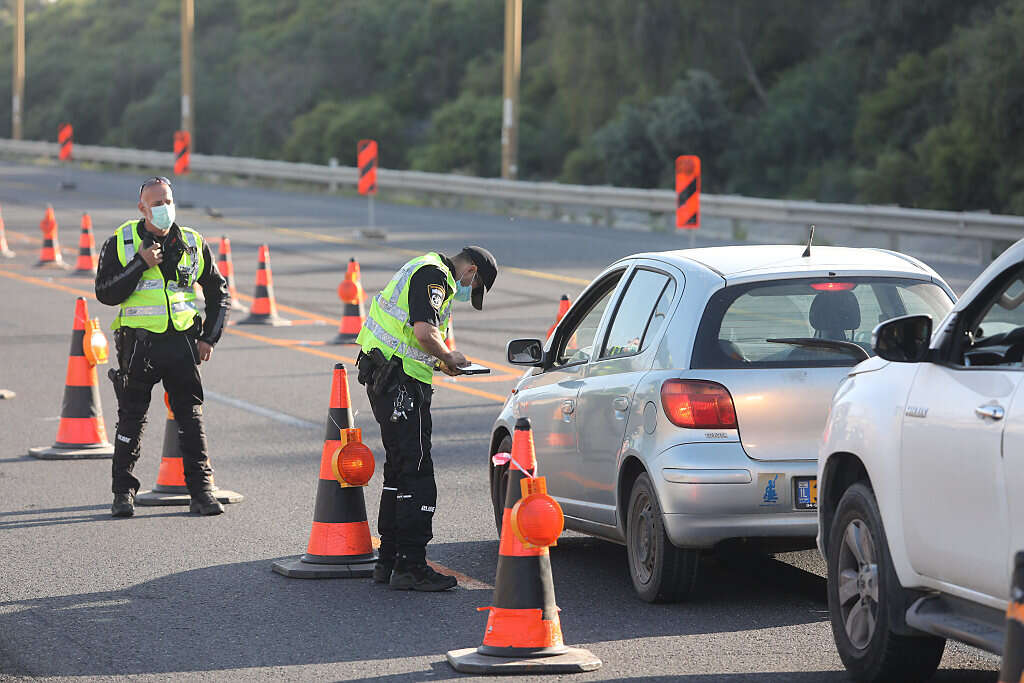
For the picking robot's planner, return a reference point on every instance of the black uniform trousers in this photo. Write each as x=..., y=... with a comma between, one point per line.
x=409, y=496
x=146, y=359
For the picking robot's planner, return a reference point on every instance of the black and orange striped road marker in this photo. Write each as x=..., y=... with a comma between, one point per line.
x=366, y=159
x=563, y=308
x=86, y=249
x=524, y=634
x=264, y=308
x=65, y=137
x=227, y=269
x=49, y=254
x=353, y=314
x=339, y=543
x=5, y=251
x=1012, y=669
x=182, y=152
x=170, y=486
x=81, y=433
x=688, y=192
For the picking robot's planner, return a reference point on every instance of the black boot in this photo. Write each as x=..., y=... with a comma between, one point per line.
x=205, y=503
x=382, y=572
x=421, y=577
x=124, y=505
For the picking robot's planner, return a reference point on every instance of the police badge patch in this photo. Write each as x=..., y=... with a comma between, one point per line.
x=436, y=295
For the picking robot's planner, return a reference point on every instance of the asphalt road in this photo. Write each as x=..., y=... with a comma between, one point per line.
x=170, y=596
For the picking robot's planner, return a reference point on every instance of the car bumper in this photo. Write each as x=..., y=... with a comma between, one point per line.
x=713, y=492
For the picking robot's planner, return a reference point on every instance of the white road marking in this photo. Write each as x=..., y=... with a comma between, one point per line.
x=260, y=410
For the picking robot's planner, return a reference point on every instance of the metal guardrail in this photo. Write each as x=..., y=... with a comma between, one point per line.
x=662, y=203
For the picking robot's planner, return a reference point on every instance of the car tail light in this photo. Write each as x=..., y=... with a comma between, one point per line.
x=698, y=404
x=833, y=286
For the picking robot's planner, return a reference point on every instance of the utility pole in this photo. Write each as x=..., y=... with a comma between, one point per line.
x=188, y=20
x=510, y=101
x=18, y=82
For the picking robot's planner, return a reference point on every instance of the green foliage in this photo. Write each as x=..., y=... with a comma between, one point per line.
x=462, y=137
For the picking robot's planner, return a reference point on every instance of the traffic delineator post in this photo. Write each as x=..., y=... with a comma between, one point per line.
x=264, y=308
x=5, y=251
x=353, y=313
x=81, y=432
x=339, y=545
x=688, y=192
x=65, y=138
x=563, y=308
x=182, y=152
x=170, y=488
x=523, y=633
x=366, y=162
x=1012, y=668
x=227, y=269
x=86, y=249
x=49, y=253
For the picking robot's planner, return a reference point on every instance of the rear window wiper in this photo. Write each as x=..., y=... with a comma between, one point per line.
x=813, y=342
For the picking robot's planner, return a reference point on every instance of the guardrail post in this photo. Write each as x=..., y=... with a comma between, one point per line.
x=332, y=163
x=984, y=252
x=894, y=241
x=739, y=233
x=609, y=217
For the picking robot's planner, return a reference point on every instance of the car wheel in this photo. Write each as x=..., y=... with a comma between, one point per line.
x=661, y=572
x=861, y=588
x=499, y=483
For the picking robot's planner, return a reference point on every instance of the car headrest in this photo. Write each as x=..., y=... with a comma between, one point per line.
x=831, y=311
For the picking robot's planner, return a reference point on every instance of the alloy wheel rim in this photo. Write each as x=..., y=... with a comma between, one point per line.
x=643, y=547
x=858, y=583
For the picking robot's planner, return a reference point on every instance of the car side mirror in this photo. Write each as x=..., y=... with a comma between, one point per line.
x=525, y=352
x=904, y=339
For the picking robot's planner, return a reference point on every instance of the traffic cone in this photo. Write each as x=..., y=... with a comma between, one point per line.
x=339, y=543
x=81, y=433
x=523, y=632
x=449, y=337
x=86, y=249
x=264, y=308
x=227, y=269
x=1012, y=669
x=5, y=251
x=170, y=486
x=353, y=315
x=563, y=308
x=50, y=254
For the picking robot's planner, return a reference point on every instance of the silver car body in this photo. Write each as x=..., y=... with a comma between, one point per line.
x=597, y=424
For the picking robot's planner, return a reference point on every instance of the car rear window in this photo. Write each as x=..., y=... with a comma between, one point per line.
x=807, y=322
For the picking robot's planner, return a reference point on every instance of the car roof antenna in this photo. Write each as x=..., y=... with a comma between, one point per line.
x=810, y=239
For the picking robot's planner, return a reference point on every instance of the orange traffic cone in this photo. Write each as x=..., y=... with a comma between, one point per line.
x=264, y=308
x=81, y=433
x=449, y=337
x=524, y=634
x=5, y=251
x=50, y=253
x=339, y=543
x=170, y=486
x=563, y=308
x=353, y=315
x=227, y=269
x=86, y=249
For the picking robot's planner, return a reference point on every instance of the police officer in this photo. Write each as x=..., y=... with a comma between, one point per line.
x=149, y=268
x=403, y=341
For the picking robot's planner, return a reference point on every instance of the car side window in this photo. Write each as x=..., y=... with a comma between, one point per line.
x=577, y=345
x=997, y=335
x=636, y=314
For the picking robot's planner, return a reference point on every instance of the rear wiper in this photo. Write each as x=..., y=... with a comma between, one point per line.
x=812, y=342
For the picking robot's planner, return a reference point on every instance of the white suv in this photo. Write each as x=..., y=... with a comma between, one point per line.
x=920, y=470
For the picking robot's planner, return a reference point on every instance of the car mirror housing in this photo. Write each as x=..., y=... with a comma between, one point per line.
x=525, y=352
x=904, y=339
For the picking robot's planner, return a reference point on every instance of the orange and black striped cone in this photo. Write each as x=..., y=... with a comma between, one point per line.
x=353, y=315
x=227, y=268
x=49, y=254
x=86, y=249
x=170, y=486
x=264, y=308
x=563, y=308
x=81, y=433
x=1012, y=669
x=5, y=251
x=339, y=545
x=524, y=634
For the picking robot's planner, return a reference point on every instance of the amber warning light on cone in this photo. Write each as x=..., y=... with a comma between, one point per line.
x=94, y=343
x=353, y=464
x=350, y=292
x=537, y=518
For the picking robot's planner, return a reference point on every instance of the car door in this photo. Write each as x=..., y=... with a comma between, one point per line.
x=606, y=396
x=1013, y=475
x=955, y=509
x=548, y=399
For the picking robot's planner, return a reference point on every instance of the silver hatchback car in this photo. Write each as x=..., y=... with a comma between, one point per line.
x=680, y=401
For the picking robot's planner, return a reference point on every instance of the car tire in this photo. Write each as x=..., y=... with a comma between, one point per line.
x=499, y=483
x=661, y=572
x=859, y=564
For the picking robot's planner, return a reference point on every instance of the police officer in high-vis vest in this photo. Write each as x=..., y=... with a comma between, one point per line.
x=149, y=268
x=403, y=342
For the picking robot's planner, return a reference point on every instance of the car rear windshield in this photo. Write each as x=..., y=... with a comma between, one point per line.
x=808, y=322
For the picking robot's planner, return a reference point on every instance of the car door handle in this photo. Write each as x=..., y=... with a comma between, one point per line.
x=621, y=403
x=990, y=411
x=568, y=407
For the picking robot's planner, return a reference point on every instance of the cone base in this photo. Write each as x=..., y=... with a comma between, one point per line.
x=344, y=339
x=7, y=253
x=59, y=265
x=262, y=319
x=66, y=185
x=87, y=271
x=372, y=233
x=573, y=660
x=84, y=452
x=238, y=307
x=155, y=498
x=295, y=568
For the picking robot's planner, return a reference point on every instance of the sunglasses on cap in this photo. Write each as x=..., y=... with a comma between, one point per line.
x=155, y=180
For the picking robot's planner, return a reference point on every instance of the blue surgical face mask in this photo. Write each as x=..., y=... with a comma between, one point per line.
x=462, y=292
x=163, y=216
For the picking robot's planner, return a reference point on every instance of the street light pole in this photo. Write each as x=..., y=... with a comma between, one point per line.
x=18, y=89
x=510, y=100
x=187, y=101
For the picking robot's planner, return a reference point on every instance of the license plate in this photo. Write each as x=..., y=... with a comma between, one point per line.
x=806, y=493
